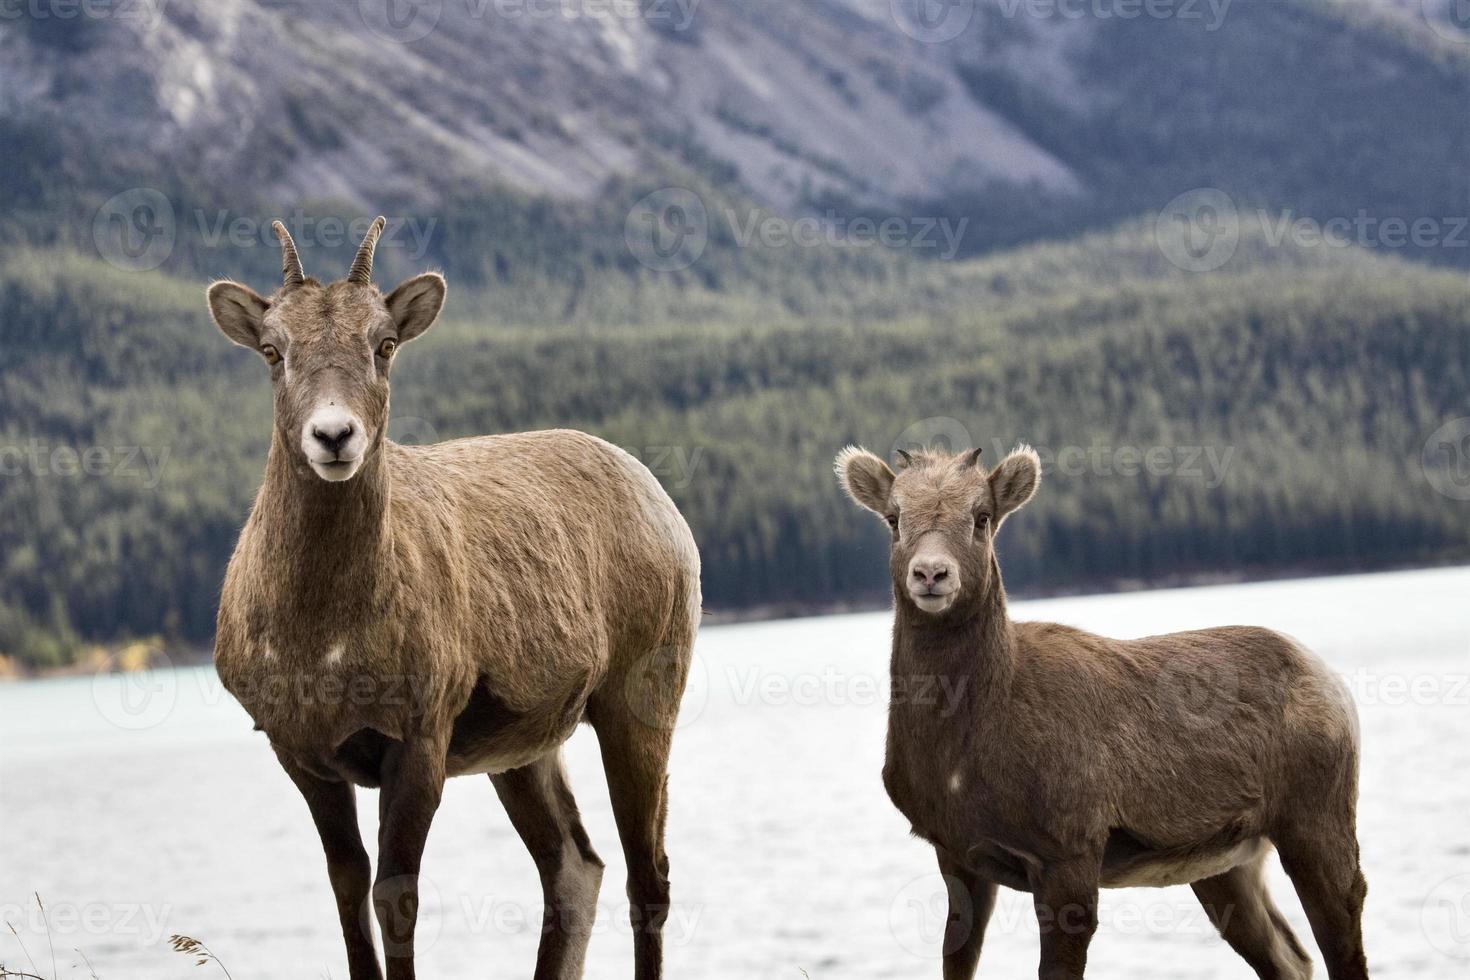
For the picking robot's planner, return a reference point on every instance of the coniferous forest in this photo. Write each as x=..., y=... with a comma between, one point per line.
x=1271, y=417
x=1300, y=405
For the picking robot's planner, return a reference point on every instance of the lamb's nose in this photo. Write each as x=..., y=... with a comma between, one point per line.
x=332, y=435
x=930, y=571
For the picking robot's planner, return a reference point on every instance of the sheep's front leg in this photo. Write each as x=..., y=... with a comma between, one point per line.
x=334, y=811
x=1065, y=896
x=971, y=900
x=413, y=783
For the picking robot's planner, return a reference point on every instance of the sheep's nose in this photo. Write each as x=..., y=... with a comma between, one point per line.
x=332, y=435
x=930, y=571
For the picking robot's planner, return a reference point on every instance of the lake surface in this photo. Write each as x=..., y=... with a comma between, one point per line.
x=139, y=808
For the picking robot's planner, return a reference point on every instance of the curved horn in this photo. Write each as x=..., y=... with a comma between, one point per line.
x=290, y=262
x=905, y=460
x=362, y=266
x=972, y=458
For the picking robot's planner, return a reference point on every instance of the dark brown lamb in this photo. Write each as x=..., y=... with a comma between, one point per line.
x=1077, y=762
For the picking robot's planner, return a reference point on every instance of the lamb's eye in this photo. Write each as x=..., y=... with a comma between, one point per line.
x=892, y=520
x=982, y=521
x=387, y=347
x=271, y=355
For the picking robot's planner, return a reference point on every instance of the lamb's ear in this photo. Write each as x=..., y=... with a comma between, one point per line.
x=237, y=311
x=866, y=478
x=1014, y=480
x=415, y=304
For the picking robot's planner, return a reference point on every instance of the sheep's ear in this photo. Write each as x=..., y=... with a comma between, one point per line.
x=237, y=311
x=415, y=304
x=866, y=478
x=1014, y=480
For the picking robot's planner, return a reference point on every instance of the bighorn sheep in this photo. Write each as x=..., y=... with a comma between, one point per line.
x=1072, y=761
x=397, y=615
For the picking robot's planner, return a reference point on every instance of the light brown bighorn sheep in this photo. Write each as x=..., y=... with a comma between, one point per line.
x=397, y=615
x=1071, y=762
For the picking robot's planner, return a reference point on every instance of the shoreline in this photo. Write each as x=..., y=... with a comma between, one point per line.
x=126, y=656
x=771, y=612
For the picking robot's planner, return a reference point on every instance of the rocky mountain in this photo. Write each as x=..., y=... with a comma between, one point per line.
x=1036, y=117
x=361, y=101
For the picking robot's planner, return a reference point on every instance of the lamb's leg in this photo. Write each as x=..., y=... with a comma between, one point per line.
x=971, y=900
x=542, y=809
x=1323, y=866
x=334, y=811
x=1065, y=896
x=413, y=782
x=1241, y=908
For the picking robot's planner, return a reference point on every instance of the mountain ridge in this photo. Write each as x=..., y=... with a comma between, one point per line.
x=1033, y=126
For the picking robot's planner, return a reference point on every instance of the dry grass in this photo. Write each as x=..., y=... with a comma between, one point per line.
x=193, y=947
x=181, y=944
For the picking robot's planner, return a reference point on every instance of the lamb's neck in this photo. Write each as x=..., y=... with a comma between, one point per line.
x=969, y=654
x=324, y=541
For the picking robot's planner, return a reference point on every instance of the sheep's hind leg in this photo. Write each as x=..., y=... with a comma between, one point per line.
x=540, y=805
x=1240, y=907
x=634, y=716
x=333, y=809
x=1322, y=863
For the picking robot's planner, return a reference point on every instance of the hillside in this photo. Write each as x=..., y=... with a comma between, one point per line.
x=1055, y=172
x=1287, y=399
x=1031, y=126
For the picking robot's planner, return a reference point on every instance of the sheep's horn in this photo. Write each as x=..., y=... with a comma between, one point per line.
x=972, y=458
x=362, y=266
x=904, y=459
x=290, y=262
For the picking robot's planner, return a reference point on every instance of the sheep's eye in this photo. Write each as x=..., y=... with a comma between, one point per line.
x=387, y=347
x=892, y=520
x=982, y=521
x=271, y=355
